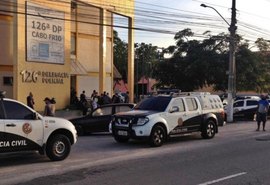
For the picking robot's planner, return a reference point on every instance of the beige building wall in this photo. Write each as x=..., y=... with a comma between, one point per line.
x=37, y=77
x=94, y=50
x=88, y=31
x=6, y=52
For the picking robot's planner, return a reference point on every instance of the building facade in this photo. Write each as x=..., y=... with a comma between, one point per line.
x=49, y=47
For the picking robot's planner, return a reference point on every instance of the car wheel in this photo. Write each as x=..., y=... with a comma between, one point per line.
x=79, y=130
x=209, y=129
x=157, y=136
x=121, y=139
x=58, y=147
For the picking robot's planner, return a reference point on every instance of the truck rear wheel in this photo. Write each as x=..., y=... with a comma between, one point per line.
x=209, y=129
x=58, y=147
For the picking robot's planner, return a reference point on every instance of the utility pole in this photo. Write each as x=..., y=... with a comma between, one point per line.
x=232, y=71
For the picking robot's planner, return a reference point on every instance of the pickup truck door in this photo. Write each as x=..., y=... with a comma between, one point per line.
x=176, y=116
x=193, y=115
x=238, y=108
x=22, y=131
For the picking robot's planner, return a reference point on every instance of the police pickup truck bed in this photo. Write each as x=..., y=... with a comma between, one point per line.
x=158, y=117
x=23, y=129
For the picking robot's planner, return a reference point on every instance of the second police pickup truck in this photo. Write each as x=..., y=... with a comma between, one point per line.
x=155, y=118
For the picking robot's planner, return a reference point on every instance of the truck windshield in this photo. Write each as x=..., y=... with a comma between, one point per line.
x=158, y=103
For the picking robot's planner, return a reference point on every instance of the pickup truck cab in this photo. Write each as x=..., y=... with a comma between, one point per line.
x=158, y=117
x=23, y=129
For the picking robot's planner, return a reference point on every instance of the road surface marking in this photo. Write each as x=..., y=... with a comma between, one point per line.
x=223, y=179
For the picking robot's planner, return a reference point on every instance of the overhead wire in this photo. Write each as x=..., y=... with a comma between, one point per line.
x=153, y=20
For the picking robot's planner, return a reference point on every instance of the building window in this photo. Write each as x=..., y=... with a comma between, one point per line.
x=73, y=44
x=8, y=80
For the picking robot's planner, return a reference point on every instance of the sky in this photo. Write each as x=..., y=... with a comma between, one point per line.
x=171, y=16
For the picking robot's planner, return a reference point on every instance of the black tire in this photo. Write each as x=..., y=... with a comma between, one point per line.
x=157, y=137
x=121, y=139
x=209, y=129
x=58, y=147
x=79, y=130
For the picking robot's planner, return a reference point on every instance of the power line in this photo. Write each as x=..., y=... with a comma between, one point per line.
x=149, y=20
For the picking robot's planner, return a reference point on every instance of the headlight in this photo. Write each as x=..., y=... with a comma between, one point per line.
x=142, y=121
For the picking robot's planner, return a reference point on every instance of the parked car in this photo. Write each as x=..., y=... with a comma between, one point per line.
x=23, y=129
x=244, y=108
x=99, y=119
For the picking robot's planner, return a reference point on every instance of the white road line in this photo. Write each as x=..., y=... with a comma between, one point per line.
x=223, y=179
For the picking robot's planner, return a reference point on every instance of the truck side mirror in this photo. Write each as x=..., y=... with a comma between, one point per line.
x=35, y=116
x=174, y=109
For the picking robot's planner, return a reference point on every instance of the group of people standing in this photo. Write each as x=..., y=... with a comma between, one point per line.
x=102, y=99
x=49, y=109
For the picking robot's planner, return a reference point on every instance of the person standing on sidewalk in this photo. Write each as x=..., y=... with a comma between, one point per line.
x=30, y=100
x=83, y=103
x=48, y=107
x=262, y=111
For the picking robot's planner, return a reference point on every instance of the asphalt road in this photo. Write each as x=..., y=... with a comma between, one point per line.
x=237, y=155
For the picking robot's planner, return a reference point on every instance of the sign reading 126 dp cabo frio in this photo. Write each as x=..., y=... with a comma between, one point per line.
x=45, y=34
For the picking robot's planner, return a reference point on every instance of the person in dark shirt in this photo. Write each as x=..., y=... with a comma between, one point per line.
x=127, y=97
x=30, y=100
x=83, y=103
x=262, y=111
x=116, y=98
x=48, y=107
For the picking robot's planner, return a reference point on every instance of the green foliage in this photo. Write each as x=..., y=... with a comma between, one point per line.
x=146, y=57
x=120, y=55
x=195, y=64
x=198, y=63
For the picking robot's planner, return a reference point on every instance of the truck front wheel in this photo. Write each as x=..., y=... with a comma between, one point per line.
x=58, y=147
x=157, y=137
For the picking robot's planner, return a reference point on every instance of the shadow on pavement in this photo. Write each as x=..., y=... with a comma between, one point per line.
x=22, y=158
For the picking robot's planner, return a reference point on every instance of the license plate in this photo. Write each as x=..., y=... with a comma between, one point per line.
x=122, y=133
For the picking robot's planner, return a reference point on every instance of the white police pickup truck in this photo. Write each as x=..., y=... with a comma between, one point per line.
x=158, y=117
x=23, y=129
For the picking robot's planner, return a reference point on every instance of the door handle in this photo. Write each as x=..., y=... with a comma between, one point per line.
x=11, y=125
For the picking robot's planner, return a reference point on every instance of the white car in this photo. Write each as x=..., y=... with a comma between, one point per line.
x=244, y=108
x=23, y=129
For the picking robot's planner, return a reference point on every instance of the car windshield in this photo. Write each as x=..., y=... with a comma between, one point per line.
x=158, y=103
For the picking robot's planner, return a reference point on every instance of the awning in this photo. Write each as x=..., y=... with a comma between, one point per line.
x=77, y=68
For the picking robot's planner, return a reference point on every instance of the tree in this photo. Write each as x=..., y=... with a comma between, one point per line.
x=120, y=55
x=262, y=44
x=198, y=63
x=194, y=62
x=146, y=57
x=263, y=55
